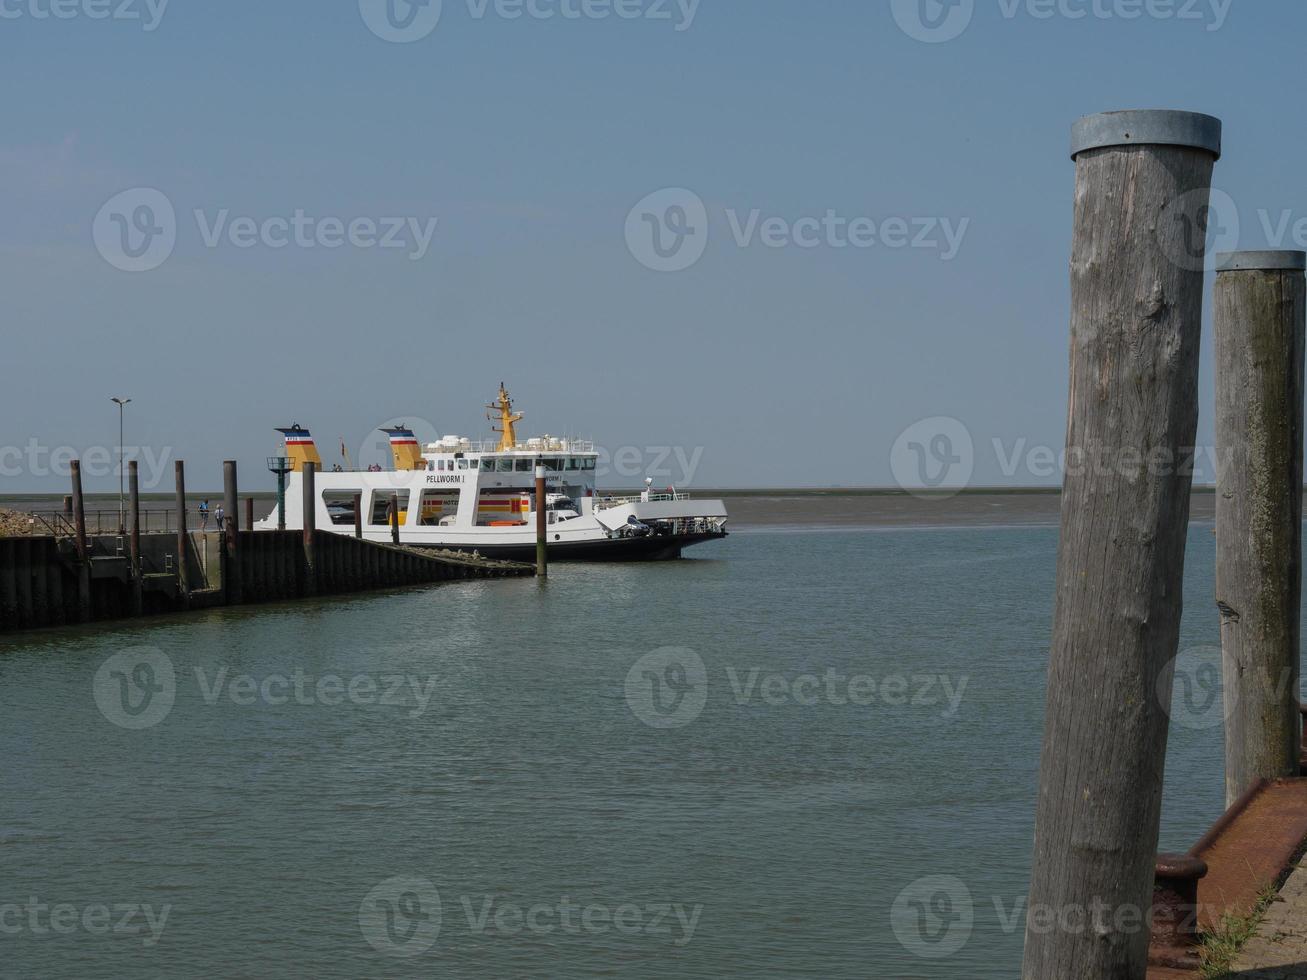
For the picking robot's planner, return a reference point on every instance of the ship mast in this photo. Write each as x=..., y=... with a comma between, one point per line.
x=507, y=420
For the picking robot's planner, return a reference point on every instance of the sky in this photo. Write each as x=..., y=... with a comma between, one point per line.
x=734, y=242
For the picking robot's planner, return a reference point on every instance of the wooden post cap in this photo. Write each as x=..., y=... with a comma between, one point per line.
x=1137, y=127
x=1272, y=260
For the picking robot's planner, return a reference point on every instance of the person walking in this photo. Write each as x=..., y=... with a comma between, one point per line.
x=220, y=516
x=204, y=515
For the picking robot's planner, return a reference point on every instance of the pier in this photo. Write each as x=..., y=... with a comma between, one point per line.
x=68, y=575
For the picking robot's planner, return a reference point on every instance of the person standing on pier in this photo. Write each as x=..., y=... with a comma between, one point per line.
x=204, y=515
x=220, y=516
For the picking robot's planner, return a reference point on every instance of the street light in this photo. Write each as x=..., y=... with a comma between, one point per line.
x=122, y=507
x=281, y=465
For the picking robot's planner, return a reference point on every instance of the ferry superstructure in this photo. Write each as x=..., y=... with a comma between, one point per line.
x=480, y=496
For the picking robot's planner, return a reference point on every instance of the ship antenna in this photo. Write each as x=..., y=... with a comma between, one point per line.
x=507, y=418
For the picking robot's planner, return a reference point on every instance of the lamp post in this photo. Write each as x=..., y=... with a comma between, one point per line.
x=122, y=507
x=281, y=465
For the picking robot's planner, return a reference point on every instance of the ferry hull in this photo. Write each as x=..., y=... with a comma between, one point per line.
x=652, y=548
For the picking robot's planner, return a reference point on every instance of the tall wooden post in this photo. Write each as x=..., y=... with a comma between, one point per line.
x=231, y=572
x=542, y=526
x=134, y=542
x=309, y=521
x=1142, y=188
x=358, y=515
x=83, y=548
x=1261, y=305
x=394, y=519
x=249, y=513
x=183, y=539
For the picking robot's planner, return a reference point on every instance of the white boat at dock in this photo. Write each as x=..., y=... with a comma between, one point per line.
x=480, y=496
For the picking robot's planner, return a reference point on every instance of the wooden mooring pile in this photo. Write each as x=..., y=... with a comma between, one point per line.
x=1142, y=203
x=76, y=577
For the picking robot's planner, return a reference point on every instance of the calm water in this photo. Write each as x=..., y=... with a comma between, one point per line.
x=768, y=835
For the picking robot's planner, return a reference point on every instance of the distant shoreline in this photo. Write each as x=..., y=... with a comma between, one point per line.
x=926, y=494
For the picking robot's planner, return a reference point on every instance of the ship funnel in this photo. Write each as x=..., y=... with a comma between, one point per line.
x=300, y=448
x=405, y=449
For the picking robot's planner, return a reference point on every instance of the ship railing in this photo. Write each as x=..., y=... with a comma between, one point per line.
x=606, y=501
x=563, y=446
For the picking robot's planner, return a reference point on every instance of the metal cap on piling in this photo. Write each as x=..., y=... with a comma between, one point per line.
x=1267, y=260
x=1134, y=127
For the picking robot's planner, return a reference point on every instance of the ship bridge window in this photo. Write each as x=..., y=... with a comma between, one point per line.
x=522, y=465
x=462, y=464
x=573, y=464
x=554, y=465
x=503, y=466
x=588, y=463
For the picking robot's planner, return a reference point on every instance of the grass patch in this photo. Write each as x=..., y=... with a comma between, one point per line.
x=1219, y=947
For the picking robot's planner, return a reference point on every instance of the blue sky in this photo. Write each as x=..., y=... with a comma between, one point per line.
x=528, y=141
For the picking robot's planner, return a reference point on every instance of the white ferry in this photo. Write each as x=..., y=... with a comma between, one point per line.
x=470, y=496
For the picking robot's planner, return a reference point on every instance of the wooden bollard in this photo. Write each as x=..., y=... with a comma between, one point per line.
x=542, y=524
x=83, y=547
x=249, y=513
x=1136, y=323
x=183, y=539
x=134, y=542
x=309, y=521
x=231, y=572
x=1260, y=319
x=358, y=516
x=394, y=519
